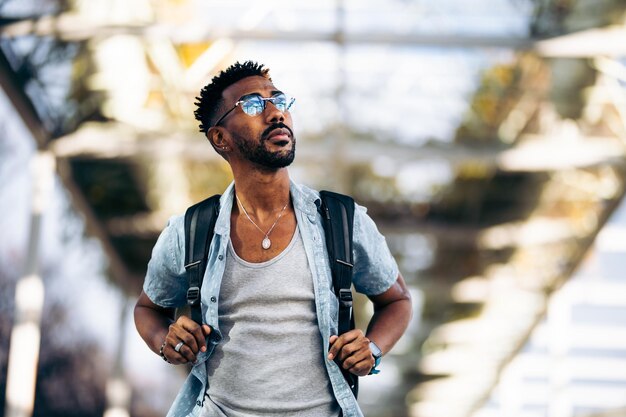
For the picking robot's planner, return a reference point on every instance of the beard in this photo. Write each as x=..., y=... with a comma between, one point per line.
x=259, y=153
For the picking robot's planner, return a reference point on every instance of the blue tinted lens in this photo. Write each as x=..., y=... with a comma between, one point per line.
x=253, y=106
x=280, y=101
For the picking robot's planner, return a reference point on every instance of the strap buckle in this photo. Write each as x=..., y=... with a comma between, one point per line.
x=189, y=265
x=193, y=296
x=345, y=297
x=348, y=264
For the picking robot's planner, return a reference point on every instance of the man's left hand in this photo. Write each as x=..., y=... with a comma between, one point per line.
x=352, y=349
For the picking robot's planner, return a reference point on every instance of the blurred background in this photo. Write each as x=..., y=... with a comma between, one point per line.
x=486, y=138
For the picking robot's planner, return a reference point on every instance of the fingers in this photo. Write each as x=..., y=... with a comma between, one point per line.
x=206, y=329
x=361, y=363
x=352, y=351
x=193, y=337
x=338, y=342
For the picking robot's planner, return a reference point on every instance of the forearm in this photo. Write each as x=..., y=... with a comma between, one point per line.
x=392, y=314
x=152, y=323
x=389, y=323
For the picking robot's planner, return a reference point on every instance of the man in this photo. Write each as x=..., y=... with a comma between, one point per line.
x=268, y=345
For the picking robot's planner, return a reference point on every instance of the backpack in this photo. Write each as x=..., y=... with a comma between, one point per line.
x=337, y=212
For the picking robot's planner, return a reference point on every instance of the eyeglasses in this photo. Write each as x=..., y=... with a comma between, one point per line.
x=255, y=104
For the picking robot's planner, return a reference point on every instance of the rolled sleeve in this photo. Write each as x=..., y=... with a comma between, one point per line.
x=375, y=270
x=166, y=280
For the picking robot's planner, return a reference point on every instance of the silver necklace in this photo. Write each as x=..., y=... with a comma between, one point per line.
x=266, y=243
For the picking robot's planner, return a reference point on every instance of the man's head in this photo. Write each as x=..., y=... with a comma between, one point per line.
x=241, y=112
x=210, y=102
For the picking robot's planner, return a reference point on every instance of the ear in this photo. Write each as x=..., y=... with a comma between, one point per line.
x=218, y=137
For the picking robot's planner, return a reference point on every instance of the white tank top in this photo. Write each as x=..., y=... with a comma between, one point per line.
x=271, y=359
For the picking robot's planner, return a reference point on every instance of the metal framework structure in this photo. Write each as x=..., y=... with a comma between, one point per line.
x=530, y=176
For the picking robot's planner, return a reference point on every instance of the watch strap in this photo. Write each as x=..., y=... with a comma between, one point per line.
x=377, y=353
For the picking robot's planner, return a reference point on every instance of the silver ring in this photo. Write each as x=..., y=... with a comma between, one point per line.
x=178, y=346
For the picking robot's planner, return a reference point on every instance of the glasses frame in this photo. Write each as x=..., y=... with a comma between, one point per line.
x=289, y=102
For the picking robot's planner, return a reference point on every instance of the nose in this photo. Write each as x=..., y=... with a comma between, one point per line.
x=273, y=115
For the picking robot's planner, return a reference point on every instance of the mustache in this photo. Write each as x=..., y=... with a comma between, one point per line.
x=280, y=125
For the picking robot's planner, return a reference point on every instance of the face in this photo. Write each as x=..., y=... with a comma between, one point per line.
x=266, y=139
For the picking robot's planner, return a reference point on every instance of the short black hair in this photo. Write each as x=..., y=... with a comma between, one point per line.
x=210, y=99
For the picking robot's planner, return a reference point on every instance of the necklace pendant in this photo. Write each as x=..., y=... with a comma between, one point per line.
x=266, y=243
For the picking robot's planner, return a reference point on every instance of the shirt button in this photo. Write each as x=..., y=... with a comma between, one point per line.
x=220, y=257
x=213, y=299
x=198, y=402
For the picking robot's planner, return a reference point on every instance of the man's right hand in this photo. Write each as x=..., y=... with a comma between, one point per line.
x=193, y=337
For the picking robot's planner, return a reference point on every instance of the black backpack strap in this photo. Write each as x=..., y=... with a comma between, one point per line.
x=338, y=213
x=199, y=226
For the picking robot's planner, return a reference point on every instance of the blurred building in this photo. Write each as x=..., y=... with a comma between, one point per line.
x=486, y=139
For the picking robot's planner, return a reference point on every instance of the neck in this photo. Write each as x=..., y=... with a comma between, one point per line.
x=262, y=193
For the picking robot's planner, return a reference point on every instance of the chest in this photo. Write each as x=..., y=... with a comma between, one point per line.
x=284, y=282
x=248, y=239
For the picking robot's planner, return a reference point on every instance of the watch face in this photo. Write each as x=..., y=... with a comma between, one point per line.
x=376, y=352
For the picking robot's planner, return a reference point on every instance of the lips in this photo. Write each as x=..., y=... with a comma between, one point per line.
x=279, y=135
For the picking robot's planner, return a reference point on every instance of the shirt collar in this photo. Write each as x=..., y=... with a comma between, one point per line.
x=303, y=198
x=222, y=224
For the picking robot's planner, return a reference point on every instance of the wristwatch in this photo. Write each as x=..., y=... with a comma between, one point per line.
x=377, y=354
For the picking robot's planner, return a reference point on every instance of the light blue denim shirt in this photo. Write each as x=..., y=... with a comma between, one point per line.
x=166, y=284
